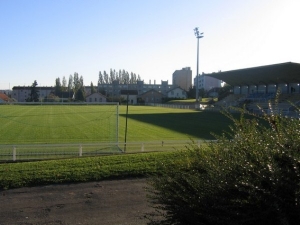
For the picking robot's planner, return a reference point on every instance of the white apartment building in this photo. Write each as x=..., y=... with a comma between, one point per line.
x=207, y=82
x=21, y=93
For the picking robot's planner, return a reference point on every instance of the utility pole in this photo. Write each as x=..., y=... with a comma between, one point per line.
x=198, y=36
x=125, y=144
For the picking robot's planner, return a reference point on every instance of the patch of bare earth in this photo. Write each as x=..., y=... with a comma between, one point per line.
x=105, y=202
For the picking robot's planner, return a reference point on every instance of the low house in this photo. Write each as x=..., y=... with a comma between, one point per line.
x=131, y=94
x=152, y=96
x=177, y=92
x=95, y=97
x=4, y=98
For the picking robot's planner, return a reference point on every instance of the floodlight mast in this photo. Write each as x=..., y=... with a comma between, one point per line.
x=198, y=36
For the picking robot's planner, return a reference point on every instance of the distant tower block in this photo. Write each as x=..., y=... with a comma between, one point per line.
x=183, y=78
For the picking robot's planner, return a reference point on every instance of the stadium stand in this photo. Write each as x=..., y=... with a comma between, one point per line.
x=256, y=88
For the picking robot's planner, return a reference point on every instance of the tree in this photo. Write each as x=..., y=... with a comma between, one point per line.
x=79, y=95
x=192, y=92
x=100, y=78
x=248, y=176
x=57, y=87
x=139, y=78
x=127, y=78
x=81, y=82
x=123, y=77
x=112, y=76
x=51, y=98
x=105, y=77
x=78, y=87
x=116, y=75
x=34, y=93
x=93, y=89
x=76, y=82
x=70, y=86
x=120, y=76
x=202, y=92
x=64, y=84
x=132, y=78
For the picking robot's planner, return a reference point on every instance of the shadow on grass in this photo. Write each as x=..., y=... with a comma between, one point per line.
x=194, y=124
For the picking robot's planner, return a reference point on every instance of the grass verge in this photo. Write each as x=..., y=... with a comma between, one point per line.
x=16, y=175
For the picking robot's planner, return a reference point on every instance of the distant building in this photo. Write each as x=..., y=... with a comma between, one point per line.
x=152, y=96
x=183, y=78
x=6, y=91
x=95, y=97
x=207, y=82
x=21, y=93
x=114, y=90
x=4, y=98
x=132, y=96
x=177, y=93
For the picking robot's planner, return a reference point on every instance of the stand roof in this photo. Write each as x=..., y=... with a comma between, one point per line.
x=288, y=72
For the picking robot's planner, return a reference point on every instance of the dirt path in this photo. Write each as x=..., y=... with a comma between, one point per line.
x=105, y=203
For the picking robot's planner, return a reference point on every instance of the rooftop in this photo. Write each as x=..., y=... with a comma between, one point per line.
x=288, y=72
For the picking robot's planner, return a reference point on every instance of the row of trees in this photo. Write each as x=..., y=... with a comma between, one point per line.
x=74, y=88
x=122, y=76
x=75, y=84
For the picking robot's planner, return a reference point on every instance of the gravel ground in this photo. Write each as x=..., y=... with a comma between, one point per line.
x=112, y=202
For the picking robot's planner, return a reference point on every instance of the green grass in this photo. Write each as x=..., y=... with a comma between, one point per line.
x=89, y=124
x=32, y=124
x=146, y=123
x=72, y=126
x=15, y=175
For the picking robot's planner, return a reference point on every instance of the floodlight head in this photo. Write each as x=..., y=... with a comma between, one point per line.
x=197, y=34
x=200, y=36
x=196, y=31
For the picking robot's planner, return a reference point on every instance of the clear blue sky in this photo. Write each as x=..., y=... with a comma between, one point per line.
x=45, y=39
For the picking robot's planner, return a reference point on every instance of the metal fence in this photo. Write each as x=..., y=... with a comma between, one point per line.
x=174, y=106
x=56, y=151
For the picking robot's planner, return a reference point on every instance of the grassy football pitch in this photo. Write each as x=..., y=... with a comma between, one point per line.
x=57, y=124
x=30, y=124
x=147, y=123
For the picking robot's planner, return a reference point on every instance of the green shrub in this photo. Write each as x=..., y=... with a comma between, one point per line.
x=248, y=176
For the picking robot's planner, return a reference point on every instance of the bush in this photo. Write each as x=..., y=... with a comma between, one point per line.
x=248, y=176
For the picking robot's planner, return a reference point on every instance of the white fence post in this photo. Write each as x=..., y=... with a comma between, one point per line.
x=14, y=153
x=142, y=147
x=80, y=150
x=198, y=143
